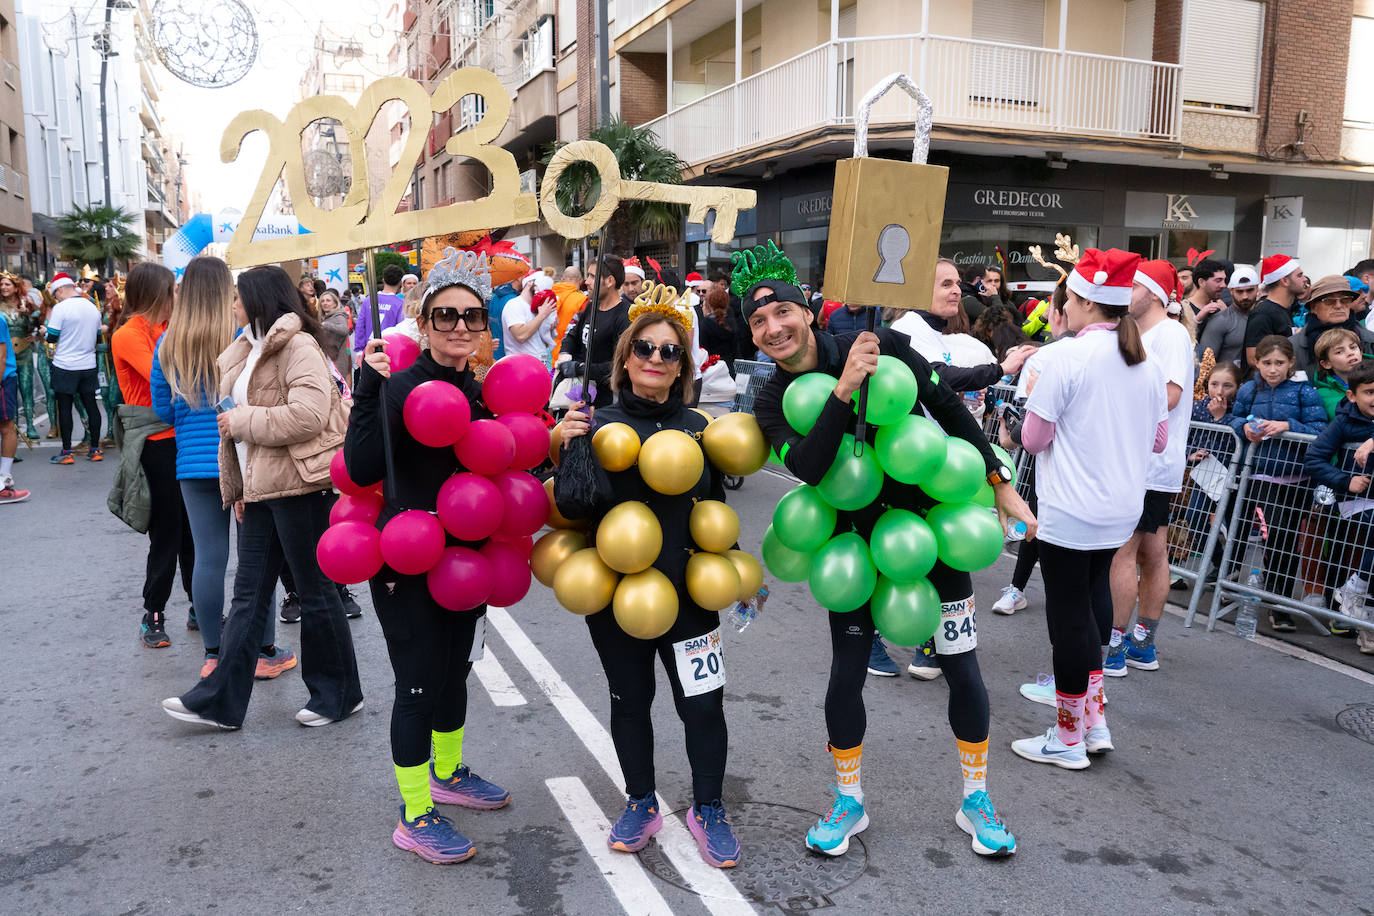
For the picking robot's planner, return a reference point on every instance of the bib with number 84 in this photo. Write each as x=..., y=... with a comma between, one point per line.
x=957, y=633
x=700, y=663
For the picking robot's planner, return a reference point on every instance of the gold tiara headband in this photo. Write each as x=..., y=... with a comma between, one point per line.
x=661, y=299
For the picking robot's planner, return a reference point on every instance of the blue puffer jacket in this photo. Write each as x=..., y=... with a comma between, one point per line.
x=197, y=428
x=1348, y=428
x=1296, y=402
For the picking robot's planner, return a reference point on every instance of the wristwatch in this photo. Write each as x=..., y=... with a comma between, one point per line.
x=1003, y=474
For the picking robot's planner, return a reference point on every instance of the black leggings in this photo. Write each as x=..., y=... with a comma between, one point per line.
x=169, y=531
x=1284, y=506
x=1078, y=611
x=851, y=640
x=1027, y=552
x=430, y=647
x=68, y=385
x=629, y=666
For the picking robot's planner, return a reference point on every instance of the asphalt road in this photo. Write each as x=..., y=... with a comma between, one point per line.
x=1233, y=789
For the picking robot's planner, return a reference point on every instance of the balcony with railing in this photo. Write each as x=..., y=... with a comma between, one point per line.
x=972, y=84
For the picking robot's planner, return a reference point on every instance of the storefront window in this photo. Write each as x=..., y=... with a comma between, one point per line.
x=805, y=248
x=969, y=244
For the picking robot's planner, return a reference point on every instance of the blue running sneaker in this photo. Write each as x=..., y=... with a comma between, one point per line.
x=1047, y=748
x=715, y=839
x=831, y=834
x=979, y=820
x=925, y=665
x=468, y=789
x=1115, y=663
x=1140, y=657
x=879, y=664
x=640, y=821
x=432, y=837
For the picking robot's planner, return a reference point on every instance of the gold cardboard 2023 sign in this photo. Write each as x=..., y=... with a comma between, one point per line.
x=354, y=225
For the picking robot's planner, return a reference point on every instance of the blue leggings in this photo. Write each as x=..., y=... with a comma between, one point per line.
x=210, y=532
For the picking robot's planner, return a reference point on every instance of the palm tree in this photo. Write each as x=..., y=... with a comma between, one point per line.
x=641, y=158
x=99, y=235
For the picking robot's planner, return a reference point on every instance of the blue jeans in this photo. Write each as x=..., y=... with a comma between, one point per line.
x=210, y=531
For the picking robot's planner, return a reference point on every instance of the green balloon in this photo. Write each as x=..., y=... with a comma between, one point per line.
x=969, y=537
x=891, y=392
x=960, y=475
x=912, y=449
x=907, y=614
x=804, y=399
x=1006, y=459
x=842, y=573
x=853, y=481
x=803, y=520
x=984, y=496
x=903, y=547
x=787, y=564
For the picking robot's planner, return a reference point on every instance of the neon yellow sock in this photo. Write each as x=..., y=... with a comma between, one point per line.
x=414, y=783
x=448, y=752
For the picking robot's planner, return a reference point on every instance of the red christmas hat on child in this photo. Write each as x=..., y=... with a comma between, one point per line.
x=1104, y=277
x=1275, y=267
x=1161, y=279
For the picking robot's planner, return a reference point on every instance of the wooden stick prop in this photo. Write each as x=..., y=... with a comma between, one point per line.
x=389, y=481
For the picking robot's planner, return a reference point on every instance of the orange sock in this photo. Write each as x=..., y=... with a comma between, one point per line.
x=847, y=770
x=973, y=759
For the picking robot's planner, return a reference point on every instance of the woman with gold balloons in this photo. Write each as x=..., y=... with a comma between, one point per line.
x=661, y=569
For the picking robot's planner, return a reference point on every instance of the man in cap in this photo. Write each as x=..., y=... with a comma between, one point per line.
x=1330, y=304
x=1284, y=285
x=1225, y=332
x=73, y=328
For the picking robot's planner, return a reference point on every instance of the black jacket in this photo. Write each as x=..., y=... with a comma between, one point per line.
x=1348, y=427
x=610, y=324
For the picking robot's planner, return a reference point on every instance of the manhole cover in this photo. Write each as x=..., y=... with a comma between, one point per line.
x=776, y=868
x=1358, y=720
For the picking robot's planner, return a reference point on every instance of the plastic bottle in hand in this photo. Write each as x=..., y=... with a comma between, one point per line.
x=744, y=612
x=1253, y=422
x=1016, y=530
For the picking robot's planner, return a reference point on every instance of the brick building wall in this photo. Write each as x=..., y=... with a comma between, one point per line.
x=586, y=69
x=643, y=87
x=1309, y=44
x=1168, y=30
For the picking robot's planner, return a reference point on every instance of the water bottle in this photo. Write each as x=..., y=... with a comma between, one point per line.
x=1247, y=613
x=1016, y=530
x=1324, y=495
x=744, y=612
x=1253, y=422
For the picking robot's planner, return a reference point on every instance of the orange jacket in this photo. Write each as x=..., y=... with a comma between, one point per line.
x=570, y=302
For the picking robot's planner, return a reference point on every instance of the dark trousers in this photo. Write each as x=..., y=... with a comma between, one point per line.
x=276, y=531
x=1078, y=611
x=169, y=531
x=629, y=667
x=1027, y=552
x=1284, y=506
x=68, y=385
x=430, y=649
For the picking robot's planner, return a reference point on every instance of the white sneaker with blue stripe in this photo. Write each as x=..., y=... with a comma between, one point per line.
x=1047, y=748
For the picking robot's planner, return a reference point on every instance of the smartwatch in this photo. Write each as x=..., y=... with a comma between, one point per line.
x=1003, y=474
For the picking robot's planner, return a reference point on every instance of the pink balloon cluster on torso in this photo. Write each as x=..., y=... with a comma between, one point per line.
x=495, y=498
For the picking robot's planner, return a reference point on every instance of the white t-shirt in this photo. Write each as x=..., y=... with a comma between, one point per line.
x=1171, y=350
x=540, y=343
x=77, y=322
x=963, y=350
x=1091, y=480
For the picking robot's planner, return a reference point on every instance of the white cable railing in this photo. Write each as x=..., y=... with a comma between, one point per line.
x=972, y=83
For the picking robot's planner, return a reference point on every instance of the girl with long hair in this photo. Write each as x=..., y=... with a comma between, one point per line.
x=18, y=312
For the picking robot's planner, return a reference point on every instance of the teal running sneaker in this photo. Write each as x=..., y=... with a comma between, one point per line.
x=1042, y=691
x=831, y=834
x=979, y=820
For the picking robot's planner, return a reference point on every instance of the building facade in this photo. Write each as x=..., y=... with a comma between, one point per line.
x=16, y=218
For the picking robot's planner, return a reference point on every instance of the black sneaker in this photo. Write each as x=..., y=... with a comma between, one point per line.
x=191, y=622
x=290, y=609
x=1280, y=622
x=154, y=631
x=351, y=609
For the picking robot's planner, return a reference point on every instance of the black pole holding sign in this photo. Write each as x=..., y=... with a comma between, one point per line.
x=861, y=427
x=389, y=481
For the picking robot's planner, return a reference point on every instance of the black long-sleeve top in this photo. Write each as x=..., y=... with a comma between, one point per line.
x=810, y=456
x=600, y=349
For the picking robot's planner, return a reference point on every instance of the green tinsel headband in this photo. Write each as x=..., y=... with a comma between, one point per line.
x=763, y=262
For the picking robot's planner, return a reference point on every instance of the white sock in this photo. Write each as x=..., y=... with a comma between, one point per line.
x=5, y=465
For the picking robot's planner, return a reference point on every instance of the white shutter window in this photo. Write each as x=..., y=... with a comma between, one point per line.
x=1138, y=38
x=1359, y=100
x=1221, y=52
x=1002, y=73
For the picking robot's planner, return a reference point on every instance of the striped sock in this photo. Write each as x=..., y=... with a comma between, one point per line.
x=973, y=760
x=1070, y=721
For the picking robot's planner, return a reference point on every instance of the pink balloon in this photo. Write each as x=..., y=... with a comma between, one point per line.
x=510, y=572
x=412, y=542
x=401, y=349
x=525, y=543
x=517, y=384
x=362, y=508
x=527, y=503
x=338, y=474
x=470, y=506
x=487, y=449
x=461, y=580
x=436, y=413
x=350, y=552
x=531, y=439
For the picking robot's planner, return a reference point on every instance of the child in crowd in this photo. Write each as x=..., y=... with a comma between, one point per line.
x=1332, y=461
x=1222, y=385
x=1338, y=354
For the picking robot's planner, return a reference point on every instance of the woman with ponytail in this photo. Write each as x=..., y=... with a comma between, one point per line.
x=1094, y=416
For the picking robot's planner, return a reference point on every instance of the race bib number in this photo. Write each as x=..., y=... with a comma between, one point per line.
x=700, y=664
x=479, y=639
x=958, y=633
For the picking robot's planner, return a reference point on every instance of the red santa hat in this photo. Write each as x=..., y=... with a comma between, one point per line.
x=60, y=280
x=632, y=266
x=541, y=281
x=1161, y=279
x=1275, y=267
x=1104, y=277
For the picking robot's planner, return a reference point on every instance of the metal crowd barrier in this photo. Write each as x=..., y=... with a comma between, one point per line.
x=1196, y=513
x=750, y=377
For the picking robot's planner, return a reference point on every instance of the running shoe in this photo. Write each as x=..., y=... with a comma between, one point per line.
x=879, y=664
x=1012, y=600
x=94, y=455
x=32, y=433
x=312, y=719
x=432, y=837
x=173, y=707
x=1280, y=622
x=715, y=839
x=350, y=606
x=191, y=622
x=153, y=631
x=925, y=665
x=979, y=820
x=54, y=432
x=1365, y=642
x=279, y=662
x=1047, y=748
x=1042, y=691
x=1098, y=739
x=211, y=663
x=62, y=457
x=468, y=789
x=1337, y=629
x=9, y=493
x=640, y=821
x=1142, y=657
x=290, y=609
x=831, y=834
x=1350, y=597
x=1115, y=663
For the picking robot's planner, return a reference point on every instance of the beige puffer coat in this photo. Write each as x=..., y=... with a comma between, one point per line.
x=294, y=423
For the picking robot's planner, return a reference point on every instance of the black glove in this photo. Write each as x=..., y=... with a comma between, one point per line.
x=570, y=368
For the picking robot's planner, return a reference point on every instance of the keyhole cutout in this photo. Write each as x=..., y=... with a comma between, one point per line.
x=894, y=242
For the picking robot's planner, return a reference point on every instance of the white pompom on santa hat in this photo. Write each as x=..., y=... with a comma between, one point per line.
x=1104, y=277
x=1161, y=279
x=632, y=266
x=60, y=280
x=542, y=281
x=1275, y=267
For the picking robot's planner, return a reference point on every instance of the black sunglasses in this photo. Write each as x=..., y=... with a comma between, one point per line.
x=669, y=353
x=445, y=318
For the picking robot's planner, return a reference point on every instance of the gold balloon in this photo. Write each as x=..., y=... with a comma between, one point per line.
x=670, y=461
x=712, y=581
x=714, y=525
x=645, y=604
x=735, y=444
x=583, y=584
x=705, y=413
x=555, y=443
x=616, y=446
x=750, y=573
x=556, y=518
x=629, y=538
x=551, y=550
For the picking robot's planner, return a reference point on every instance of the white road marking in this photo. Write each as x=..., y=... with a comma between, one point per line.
x=715, y=890
x=501, y=688
x=627, y=878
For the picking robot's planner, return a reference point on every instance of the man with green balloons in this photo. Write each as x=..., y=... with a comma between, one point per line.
x=885, y=530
